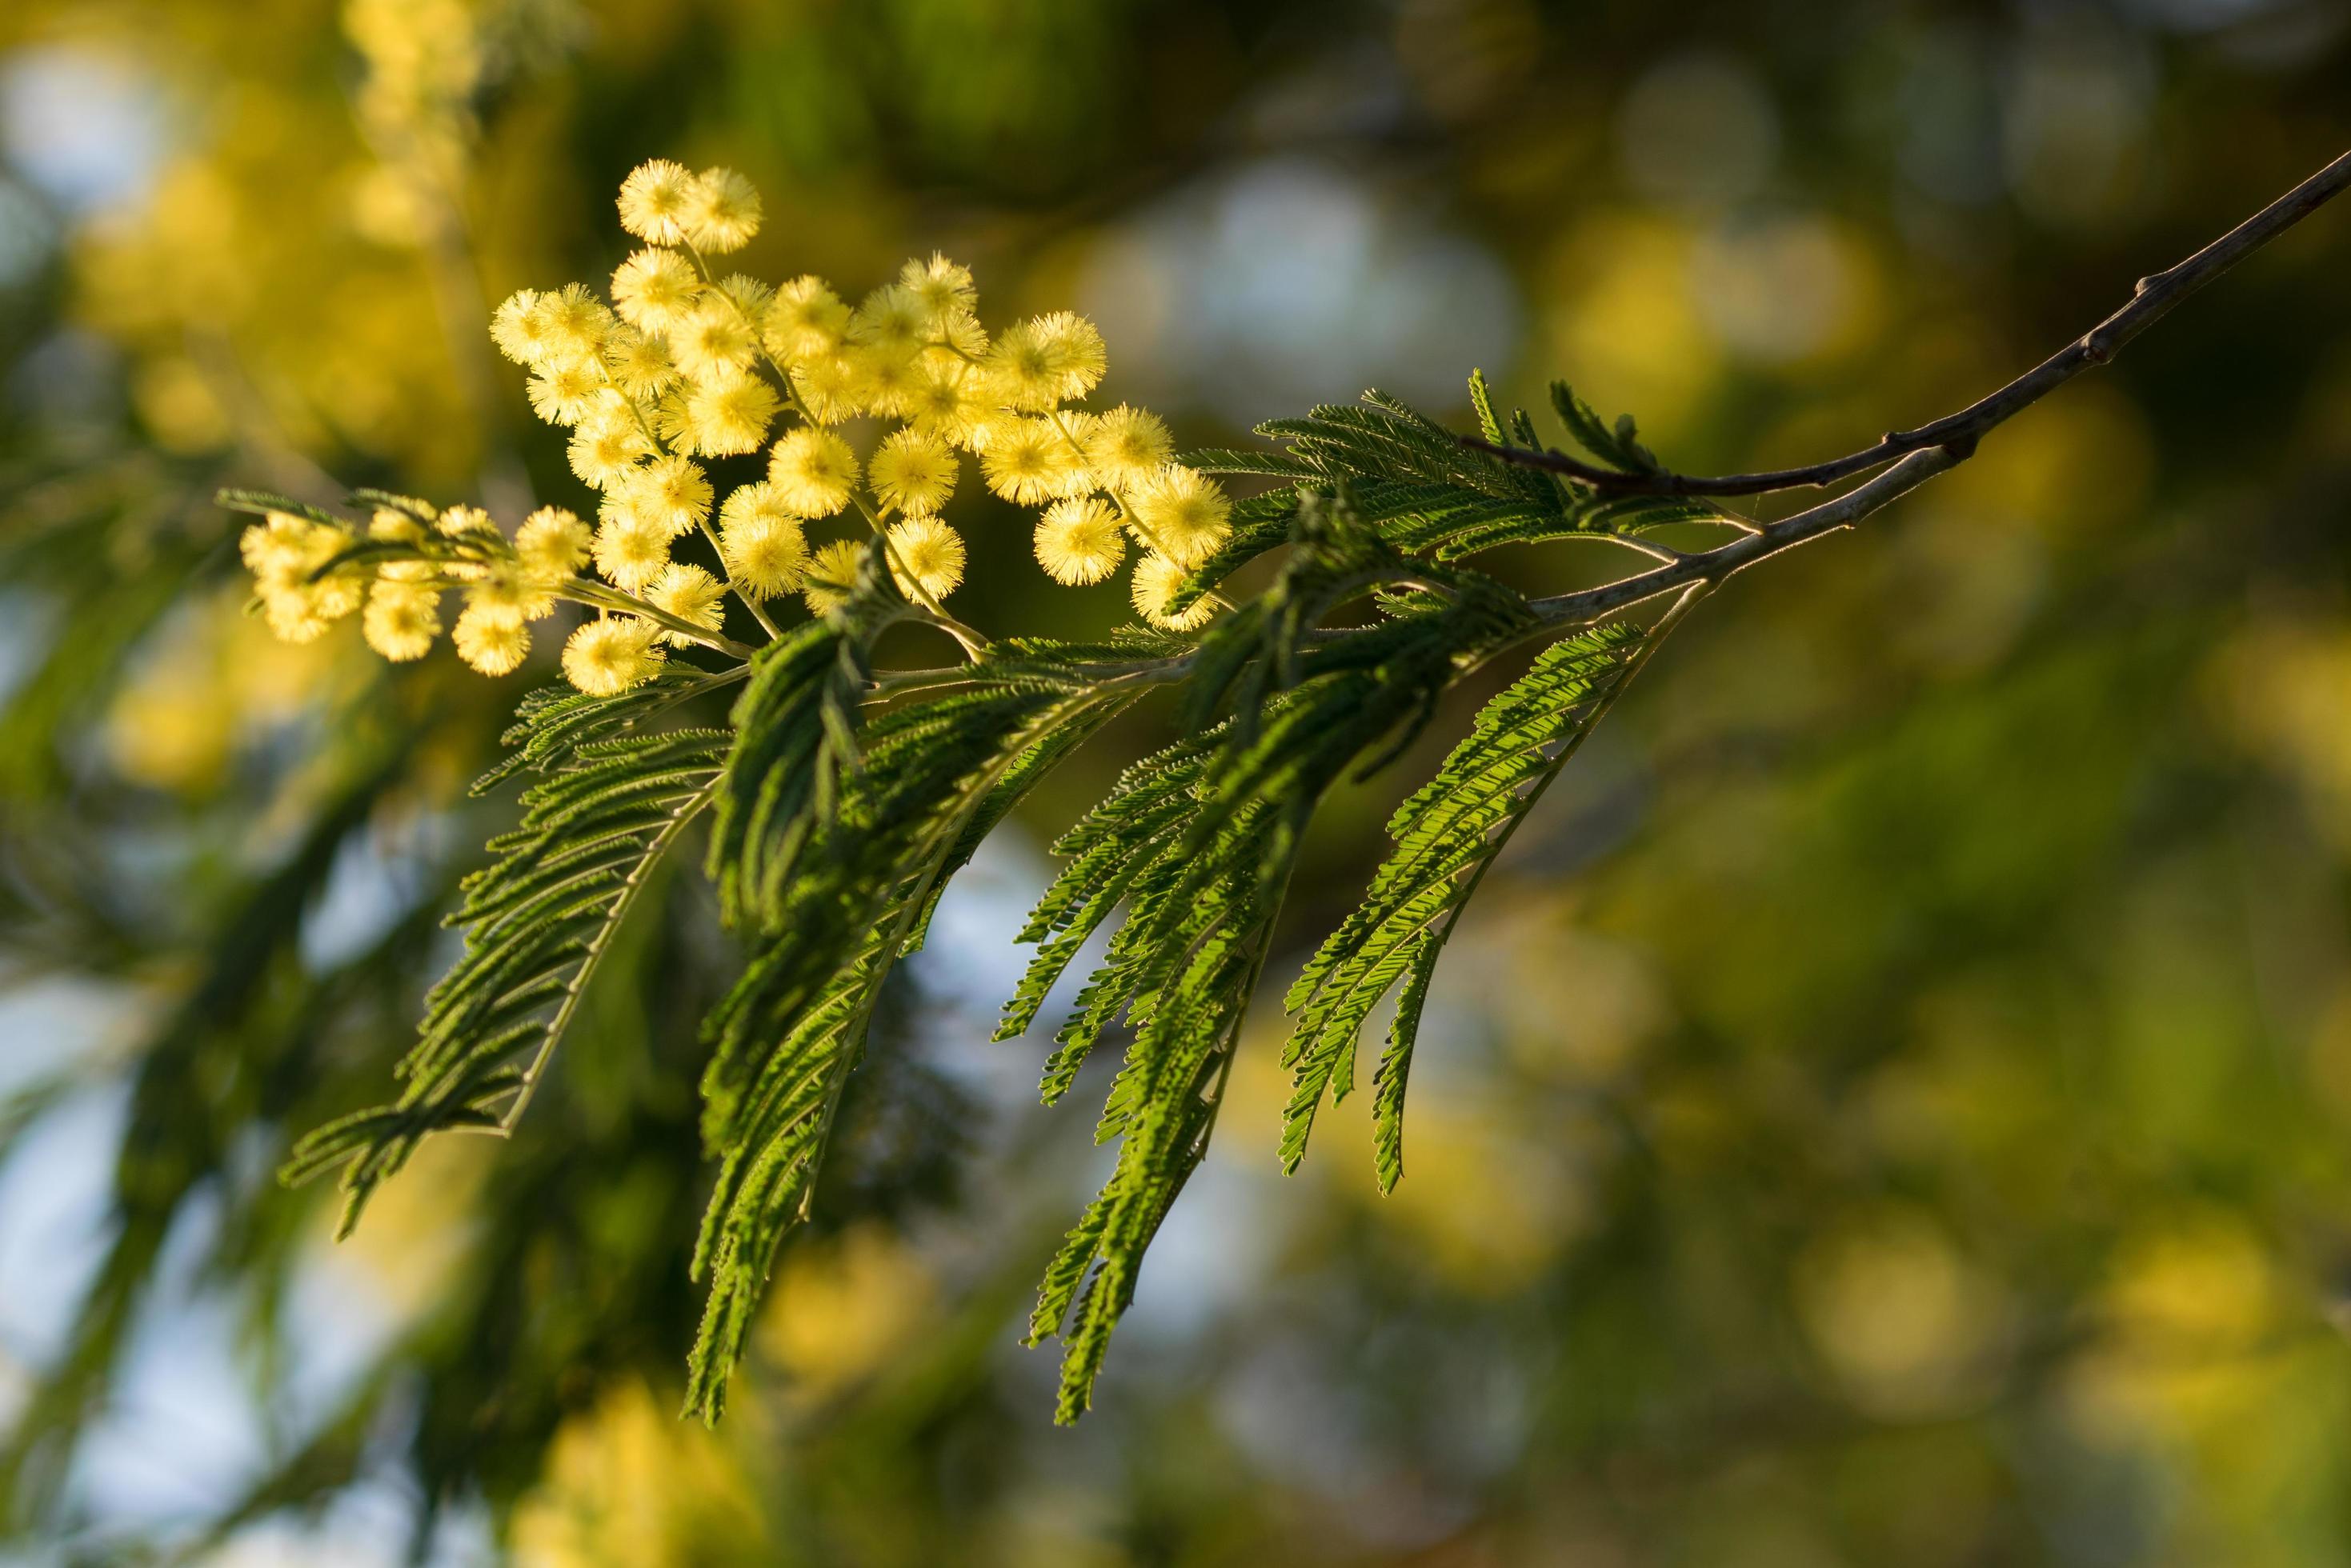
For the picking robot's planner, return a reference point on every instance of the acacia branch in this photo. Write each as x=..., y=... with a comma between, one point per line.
x=2154, y=296
x=1713, y=566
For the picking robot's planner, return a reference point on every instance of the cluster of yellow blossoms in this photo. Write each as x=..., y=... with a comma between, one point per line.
x=683, y=365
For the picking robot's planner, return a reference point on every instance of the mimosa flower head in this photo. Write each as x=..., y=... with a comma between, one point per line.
x=832, y=575
x=610, y=654
x=657, y=200
x=667, y=391
x=1080, y=540
x=721, y=211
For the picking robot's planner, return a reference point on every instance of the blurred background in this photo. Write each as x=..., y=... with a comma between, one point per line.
x=1894, y=1105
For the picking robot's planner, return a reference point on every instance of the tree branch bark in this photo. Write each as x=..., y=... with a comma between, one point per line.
x=2154, y=296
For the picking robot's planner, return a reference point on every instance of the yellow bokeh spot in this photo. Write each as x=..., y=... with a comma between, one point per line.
x=216, y=679
x=1489, y=1210
x=842, y=1306
x=416, y=1228
x=2182, y=1354
x=1492, y=1192
x=2199, y=1283
x=1902, y=1320
x=1790, y=291
x=1626, y=320
x=2083, y=463
x=2281, y=689
x=178, y=406
x=630, y=1485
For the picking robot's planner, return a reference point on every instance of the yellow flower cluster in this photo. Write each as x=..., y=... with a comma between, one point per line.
x=311, y=572
x=685, y=364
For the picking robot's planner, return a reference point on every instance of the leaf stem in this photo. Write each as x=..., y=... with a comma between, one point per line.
x=602, y=595
x=577, y=988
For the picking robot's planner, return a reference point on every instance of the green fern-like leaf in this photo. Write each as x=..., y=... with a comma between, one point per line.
x=1618, y=444
x=1425, y=493
x=797, y=727
x=931, y=774
x=608, y=802
x=1197, y=842
x=1446, y=835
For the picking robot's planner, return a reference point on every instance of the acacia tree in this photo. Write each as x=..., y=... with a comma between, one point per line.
x=840, y=800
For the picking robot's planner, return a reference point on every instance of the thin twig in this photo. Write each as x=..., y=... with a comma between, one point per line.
x=598, y=595
x=1713, y=566
x=2153, y=298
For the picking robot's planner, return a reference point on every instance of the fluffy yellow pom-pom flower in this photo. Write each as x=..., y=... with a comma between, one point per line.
x=763, y=543
x=913, y=472
x=1156, y=579
x=944, y=288
x=832, y=575
x=606, y=447
x=640, y=362
x=1127, y=446
x=946, y=401
x=894, y=318
x=656, y=199
x=576, y=324
x=730, y=416
x=671, y=492
x=506, y=591
x=1022, y=371
x=1181, y=513
x=831, y=387
x=401, y=619
x=293, y=617
x=692, y=595
x=712, y=340
x=282, y=549
x=1029, y=461
x=886, y=380
x=961, y=340
x=399, y=528
x=1074, y=345
x=562, y=394
x=492, y=640
x=519, y=327
x=673, y=420
x=655, y=289
x=926, y=552
x=1047, y=360
x=551, y=544
x=630, y=551
x=750, y=296
x=283, y=552
x=458, y=522
x=722, y=210
x=611, y=654
x=813, y=471
x=805, y=320
x=1079, y=541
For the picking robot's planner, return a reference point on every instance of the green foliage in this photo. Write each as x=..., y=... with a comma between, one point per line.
x=1619, y=443
x=851, y=826
x=798, y=725
x=1198, y=844
x=1429, y=495
x=609, y=800
x=842, y=800
x=1446, y=834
